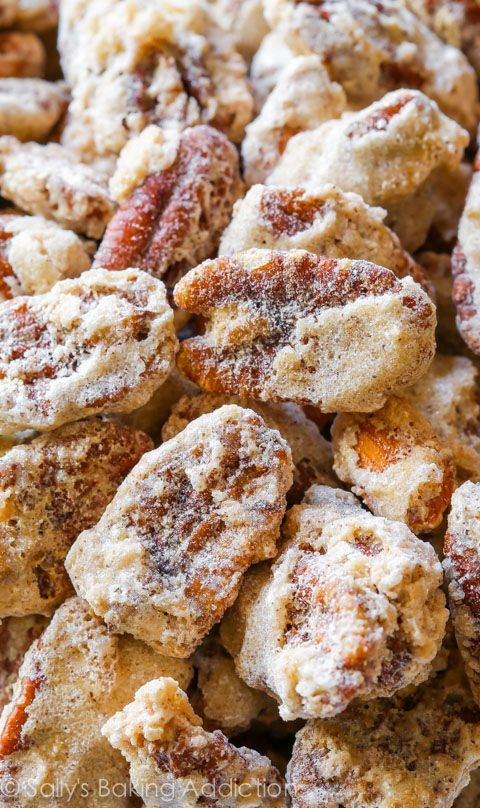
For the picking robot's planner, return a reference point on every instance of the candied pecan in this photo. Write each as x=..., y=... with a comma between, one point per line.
x=466, y=267
x=48, y=181
x=100, y=343
x=374, y=47
x=462, y=568
x=50, y=490
x=417, y=749
x=163, y=741
x=175, y=217
x=394, y=460
x=455, y=21
x=286, y=326
x=71, y=680
x=325, y=221
x=197, y=512
x=324, y=625
x=21, y=56
x=30, y=108
x=34, y=15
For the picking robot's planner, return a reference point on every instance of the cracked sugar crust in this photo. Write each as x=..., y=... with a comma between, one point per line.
x=30, y=108
x=102, y=343
x=396, y=463
x=165, y=744
x=176, y=193
x=340, y=335
x=133, y=63
x=385, y=153
x=455, y=21
x=311, y=453
x=51, y=489
x=448, y=397
x=373, y=48
x=16, y=636
x=303, y=98
x=35, y=253
x=49, y=181
x=29, y=15
x=462, y=570
x=351, y=609
x=75, y=677
x=466, y=267
x=167, y=558
x=22, y=55
x=416, y=750
x=325, y=221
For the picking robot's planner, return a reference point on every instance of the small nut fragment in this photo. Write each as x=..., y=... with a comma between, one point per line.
x=417, y=750
x=325, y=221
x=340, y=335
x=165, y=744
x=101, y=343
x=50, y=490
x=72, y=679
x=16, y=636
x=303, y=98
x=36, y=253
x=396, y=463
x=167, y=558
x=48, y=181
x=386, y=153
x=30, y=108
x=171, y=216
x=351, y=609
x=311, y=453
x=462, y=569
x=448, y=397
x=21, y=56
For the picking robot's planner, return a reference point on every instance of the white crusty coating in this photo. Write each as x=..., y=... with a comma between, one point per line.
x=30, y=108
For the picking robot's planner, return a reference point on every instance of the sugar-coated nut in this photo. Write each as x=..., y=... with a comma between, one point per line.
x=35, y=253
x=462, y=569
x=165, y=744
x=29, y=108
x=48, y=181
x=396, y=463
x=71, y=681
x=168, y=555
x=311, y=453
x=34, y=15
x=448, y=397
x=416, y=750
x=50, y=490
x=372, y=48
x=326, y=221
x=16, y=636
x=337, y=334
x=178, y=193
x=454, y=21
x=466, y=267
x=303, y=98
x=21, y=55
x=351, y=609
x=101, y=343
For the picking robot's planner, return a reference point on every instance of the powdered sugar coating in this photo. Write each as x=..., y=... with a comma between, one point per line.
x=29, y=108
x=351, y=609
x=416, y=750
x=177, y=194
x=455, y=21
x=48, y=181
x=245, y=21
x=164, y=742
x=101, y=343
x=303, y=98
x=372, y=48
x=325, y=221
x=167, y=558
x=51, y=489
x=462, y=569
x=395, y=462
x=288, y=326
x=311, y=453
x=71, y=681
x=35, y=253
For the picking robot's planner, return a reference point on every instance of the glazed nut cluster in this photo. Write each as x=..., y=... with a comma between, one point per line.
x=239, y=404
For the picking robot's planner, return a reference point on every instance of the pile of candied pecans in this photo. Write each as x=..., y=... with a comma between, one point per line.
x=239, y=408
